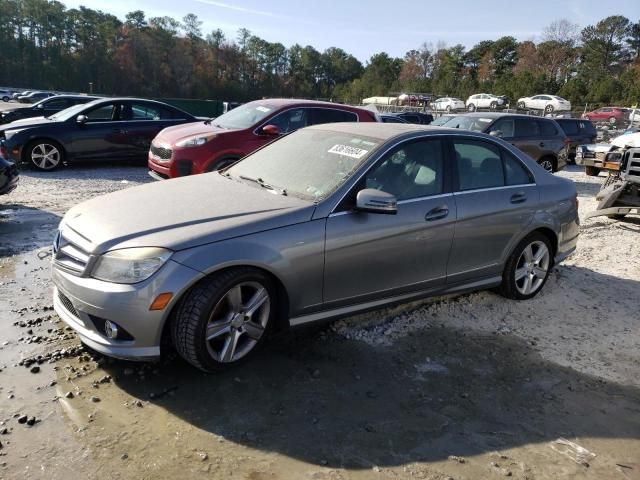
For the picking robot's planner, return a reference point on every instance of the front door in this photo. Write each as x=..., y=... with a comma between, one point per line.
x=370, y=255
x=495, y=197
x=103, y=136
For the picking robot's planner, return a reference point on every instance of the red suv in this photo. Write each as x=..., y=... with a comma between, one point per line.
x=211, y=145
x=612, y=115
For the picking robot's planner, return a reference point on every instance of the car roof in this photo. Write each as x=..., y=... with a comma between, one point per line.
x=277, y=103
x=382, y=131
x=502, y=114
x=91, y=97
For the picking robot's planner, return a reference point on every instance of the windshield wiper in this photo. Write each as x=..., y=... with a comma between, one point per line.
x=264, y=184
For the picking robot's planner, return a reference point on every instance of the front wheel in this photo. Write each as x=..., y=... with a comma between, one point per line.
x=5, y=99
x=224, y=318
x=448, y=109
x=521, y=105
x=527, y=268
x=221, y=164
x=549, y=109
x=591, y=171
x=471, y=107
x=493, y=105
x=548, y=164
x=612, y=121
x=45, y=154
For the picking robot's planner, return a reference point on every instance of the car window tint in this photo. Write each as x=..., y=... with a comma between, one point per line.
x=57, y=104
x=547, y=128
x=526, y=127
x=570, y=128
x=412, y=171
x=328, y=115
x=504, y=125
x=141, y=111
x=479, y=165
x=290, y=120
x=515, y=172
x=104, y=113
x=587, y=127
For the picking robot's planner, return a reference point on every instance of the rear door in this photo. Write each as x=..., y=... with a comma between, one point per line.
x=372, y=255
x=143, y=122
x=495, y=199
x=527, y=136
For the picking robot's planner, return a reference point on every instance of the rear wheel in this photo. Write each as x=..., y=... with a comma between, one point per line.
x=612, y=121
x=448, y=109
x=591, y=171
x=224, y=318
x=45, y=154
x=5, y=99
x=521, y=105
x=527, y=268
x=493, y=105
x=549, y=109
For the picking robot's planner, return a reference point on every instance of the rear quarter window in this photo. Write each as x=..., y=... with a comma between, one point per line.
x=330, y=115
x=570, y=128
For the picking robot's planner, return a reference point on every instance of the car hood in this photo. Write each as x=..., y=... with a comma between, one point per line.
x=170, y=135
x=627, y=140
x=182, y=213
x=27, y=122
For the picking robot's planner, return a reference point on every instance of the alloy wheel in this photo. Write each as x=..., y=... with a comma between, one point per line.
x=547, y=165
x=532, y=267
x=45, y=156
x=238, y=321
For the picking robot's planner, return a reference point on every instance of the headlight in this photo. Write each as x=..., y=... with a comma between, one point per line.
x=130, y=265
x=193, y=142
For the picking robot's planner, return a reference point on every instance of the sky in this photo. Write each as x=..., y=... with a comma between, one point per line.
x=366, y=27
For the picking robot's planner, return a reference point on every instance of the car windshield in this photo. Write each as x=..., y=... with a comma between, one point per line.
x=67, y=113
x=559, y=98
x=309, y=164
x=440, y=121
x=466, y=122
x=244, y=116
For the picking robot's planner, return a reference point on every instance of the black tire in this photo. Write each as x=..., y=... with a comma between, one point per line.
x=448, y=109
x=493, y=105
x=471, y=107
x=549, y=164
x=549, y=109
x=509, y=287
x=198, y=305
x=617, y=216
x=42, y=146
x=591, y=171
x=221, y=164
x=612, y=120
x=5, y=99
x=521, y=105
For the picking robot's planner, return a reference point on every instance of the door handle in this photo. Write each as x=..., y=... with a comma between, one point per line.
x=437, y=213
x=519, y=197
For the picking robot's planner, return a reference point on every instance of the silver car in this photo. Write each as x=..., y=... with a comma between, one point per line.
x=325, y=222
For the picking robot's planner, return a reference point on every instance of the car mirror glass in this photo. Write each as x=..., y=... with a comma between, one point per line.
x=376, y=201
x=81, y=119
x=496, y=133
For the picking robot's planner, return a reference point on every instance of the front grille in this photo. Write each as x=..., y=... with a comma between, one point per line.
x=66, y=303
x=161, y=152
x=69, y=256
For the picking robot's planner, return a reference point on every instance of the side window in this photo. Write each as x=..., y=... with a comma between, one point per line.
x=526, y=127
x=547, y=129
x=412, y=171
x=141, y=111
x=328, y=115
x=58, y=104
x=506, y=126
x=104, y=113
x=290, y=120
x=479, y=165
x=570, y=128
x=514, y=172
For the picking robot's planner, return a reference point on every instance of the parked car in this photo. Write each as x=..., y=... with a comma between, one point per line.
x=541, y=138
x=594, y=156
x=579, y=131
x=328, y=221
x=6, y=95
x=44, y=108
x=418, y=118
x=449, y=104
x=16, y=95
x=547, y=103
x=443, y=119
x=34, y=97
x=8, y=175
x=391, y=118
x=211, y=145
x=612, y=115
x=484, y=100
x=105, y=129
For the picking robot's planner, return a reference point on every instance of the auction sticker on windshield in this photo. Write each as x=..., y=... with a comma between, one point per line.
x=346, y=150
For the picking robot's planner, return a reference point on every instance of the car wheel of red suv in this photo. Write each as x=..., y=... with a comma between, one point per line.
x=612, y=120
x=220, y=164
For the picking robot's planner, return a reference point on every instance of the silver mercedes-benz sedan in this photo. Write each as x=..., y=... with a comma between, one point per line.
x=327, y=221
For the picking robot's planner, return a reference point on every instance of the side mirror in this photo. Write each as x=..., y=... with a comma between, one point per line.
x=270, y=130
x=496, y=133
x=376, y=201
x=40, y=106
x=613, y=157
x=81, y=119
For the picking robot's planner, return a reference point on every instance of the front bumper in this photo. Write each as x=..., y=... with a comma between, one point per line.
x=89, y=301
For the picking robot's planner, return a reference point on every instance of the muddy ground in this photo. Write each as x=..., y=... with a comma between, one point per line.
x=471, y=387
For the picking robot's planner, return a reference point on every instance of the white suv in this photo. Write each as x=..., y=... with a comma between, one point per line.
x=484, y=100
x=5, y=95
x=548, y=103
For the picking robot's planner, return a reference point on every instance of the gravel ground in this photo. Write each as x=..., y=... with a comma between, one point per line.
x=466, y=387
